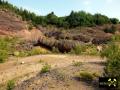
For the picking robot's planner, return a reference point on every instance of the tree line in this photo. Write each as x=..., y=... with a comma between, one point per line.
x=75, y=19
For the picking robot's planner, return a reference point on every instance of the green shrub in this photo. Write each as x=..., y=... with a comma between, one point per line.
x=86, y=76
x=6, y=44
x=3, y=56
x=110, y=51
x=46, y=68
x=112, y=69
x=10, y=85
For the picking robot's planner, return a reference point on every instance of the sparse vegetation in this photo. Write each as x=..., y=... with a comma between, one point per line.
x=84, y=50
x=79, y=49
x=6, y=45
x=116, y=38
x=45, y=68
x=37, y=51
x=86, y=76
x=77, y=63
x=10, y=85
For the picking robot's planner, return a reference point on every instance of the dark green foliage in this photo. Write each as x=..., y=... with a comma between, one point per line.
x=75, y=19
x=110, y=30
x=101, y=19
x=114, y=20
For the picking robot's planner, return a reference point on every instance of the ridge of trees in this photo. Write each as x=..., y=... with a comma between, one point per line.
x=75, y=19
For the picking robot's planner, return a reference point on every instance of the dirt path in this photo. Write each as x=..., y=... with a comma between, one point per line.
x=32, y=65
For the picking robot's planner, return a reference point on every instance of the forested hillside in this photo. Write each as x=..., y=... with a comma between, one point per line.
x=75, y=19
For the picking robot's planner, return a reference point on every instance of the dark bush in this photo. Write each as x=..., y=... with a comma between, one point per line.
x=110, y=30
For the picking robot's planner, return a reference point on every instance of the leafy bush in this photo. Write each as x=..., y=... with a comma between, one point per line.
x=112, y=69
x=10, y=85
x=46, y=68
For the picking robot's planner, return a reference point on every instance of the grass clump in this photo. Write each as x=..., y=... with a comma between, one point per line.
x=91, y=50
x=84, y=50
x=116, y=38
x=45, y=68
x=34, y=51
x=79, y=49
x=86, y=76
x=37, y=51
x=10, y=85
x=77, y=63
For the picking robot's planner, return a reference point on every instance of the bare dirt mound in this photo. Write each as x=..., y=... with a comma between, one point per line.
x=10, y=22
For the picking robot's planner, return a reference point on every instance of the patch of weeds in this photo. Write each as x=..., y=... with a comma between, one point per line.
x=79, y=49
x=16, y=53
x=46, y=68
x=96, y=74
x=86, y=76
x=10, y=85
x=37, y=51
x=116, y=38
x=77, y=63
x=91, y=50
x=3, y=56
